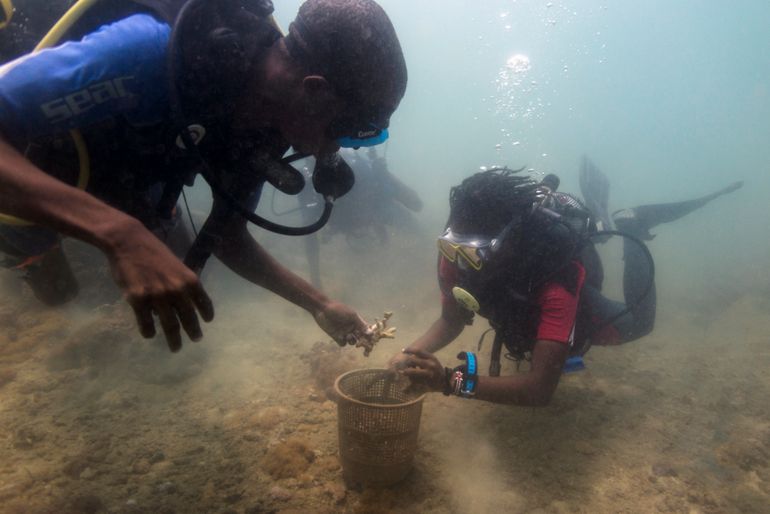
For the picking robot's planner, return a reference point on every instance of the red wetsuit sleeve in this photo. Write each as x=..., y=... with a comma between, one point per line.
x=558, y=310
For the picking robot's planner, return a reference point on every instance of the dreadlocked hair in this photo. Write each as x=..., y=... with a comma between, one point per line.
x=486, y=202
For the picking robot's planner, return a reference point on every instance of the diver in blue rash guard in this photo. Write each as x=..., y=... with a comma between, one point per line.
x=218, y=91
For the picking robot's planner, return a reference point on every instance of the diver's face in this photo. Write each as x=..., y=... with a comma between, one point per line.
x=308, y=136
x=305, y=123
x=316, y=120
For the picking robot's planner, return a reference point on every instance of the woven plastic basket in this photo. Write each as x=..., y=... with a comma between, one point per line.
x=378, y=424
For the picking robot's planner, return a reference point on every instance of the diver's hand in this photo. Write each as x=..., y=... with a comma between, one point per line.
x=423, y=368
x=154, y=281
x=398, y=362
x=341, y=322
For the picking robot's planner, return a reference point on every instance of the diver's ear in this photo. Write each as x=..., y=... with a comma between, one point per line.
x=321, y=97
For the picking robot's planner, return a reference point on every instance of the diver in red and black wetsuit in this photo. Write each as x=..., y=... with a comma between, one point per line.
x=521, y=255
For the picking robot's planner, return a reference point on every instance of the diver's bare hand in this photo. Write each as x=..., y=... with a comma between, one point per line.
x=424, y=368
x=154, y=281
x=398, y=362
x=341, y=322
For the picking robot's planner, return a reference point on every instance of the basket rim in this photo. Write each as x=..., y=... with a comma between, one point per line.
x=367, y=404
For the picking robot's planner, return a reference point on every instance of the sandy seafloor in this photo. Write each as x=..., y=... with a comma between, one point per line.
x=95, y=419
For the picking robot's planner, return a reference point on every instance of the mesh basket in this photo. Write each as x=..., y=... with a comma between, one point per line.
x=378, y=424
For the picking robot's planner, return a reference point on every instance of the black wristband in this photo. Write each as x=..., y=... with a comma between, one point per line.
x=448, y=372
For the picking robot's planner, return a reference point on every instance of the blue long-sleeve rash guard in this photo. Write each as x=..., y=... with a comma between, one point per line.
x=120, y=69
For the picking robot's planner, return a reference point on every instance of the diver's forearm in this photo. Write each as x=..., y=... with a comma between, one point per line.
x=534, y=388
x=440, y=334
x=247, y=258
x=29, y=193
x=522, y=390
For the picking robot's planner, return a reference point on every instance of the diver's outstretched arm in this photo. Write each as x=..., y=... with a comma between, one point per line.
x=595, y=188
x=153, y=280
x=532, y=389
x=240, y=252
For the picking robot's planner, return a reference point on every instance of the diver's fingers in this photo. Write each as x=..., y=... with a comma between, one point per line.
x=418, y=362
x=419, y=353
x=189, y=319
x=202, y=301
x=170, y=324
x=346, y=339
x=143, y=314
x=418, y=373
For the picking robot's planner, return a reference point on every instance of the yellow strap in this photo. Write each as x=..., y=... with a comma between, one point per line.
x=65, y=22
x=63, y=25
x=8, y=11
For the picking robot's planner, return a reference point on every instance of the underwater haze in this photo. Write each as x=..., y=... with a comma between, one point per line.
x=670, y=99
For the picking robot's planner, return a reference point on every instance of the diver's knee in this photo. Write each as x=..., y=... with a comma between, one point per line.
x=51, y=278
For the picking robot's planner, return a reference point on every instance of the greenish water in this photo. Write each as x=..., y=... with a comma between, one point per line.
x=670, y=99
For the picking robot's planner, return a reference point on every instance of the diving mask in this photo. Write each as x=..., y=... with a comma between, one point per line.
x=475, y=251
x=470, y=251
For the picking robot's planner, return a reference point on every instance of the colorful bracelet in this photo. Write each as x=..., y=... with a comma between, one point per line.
x=462, y=380
x=470, y=375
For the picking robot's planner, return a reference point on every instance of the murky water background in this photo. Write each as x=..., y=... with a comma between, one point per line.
x=672, y=101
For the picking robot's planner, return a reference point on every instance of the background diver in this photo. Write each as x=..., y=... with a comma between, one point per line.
x=505, y=257
x=164, y=90
x=377, y=203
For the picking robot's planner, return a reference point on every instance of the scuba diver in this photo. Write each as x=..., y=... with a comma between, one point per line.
x=156, y=92
x=378, y=200
x=522, y=255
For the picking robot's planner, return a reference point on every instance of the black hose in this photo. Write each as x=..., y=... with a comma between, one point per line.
x=650, y=283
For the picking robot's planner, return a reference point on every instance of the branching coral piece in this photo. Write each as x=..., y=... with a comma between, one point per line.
x=376, y=331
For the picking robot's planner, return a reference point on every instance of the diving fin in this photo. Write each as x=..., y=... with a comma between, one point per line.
x=639, y=220
x=595, y=188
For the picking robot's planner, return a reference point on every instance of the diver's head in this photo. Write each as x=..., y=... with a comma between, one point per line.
x=485, y=203
x=352, y=75
x=488, y=211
